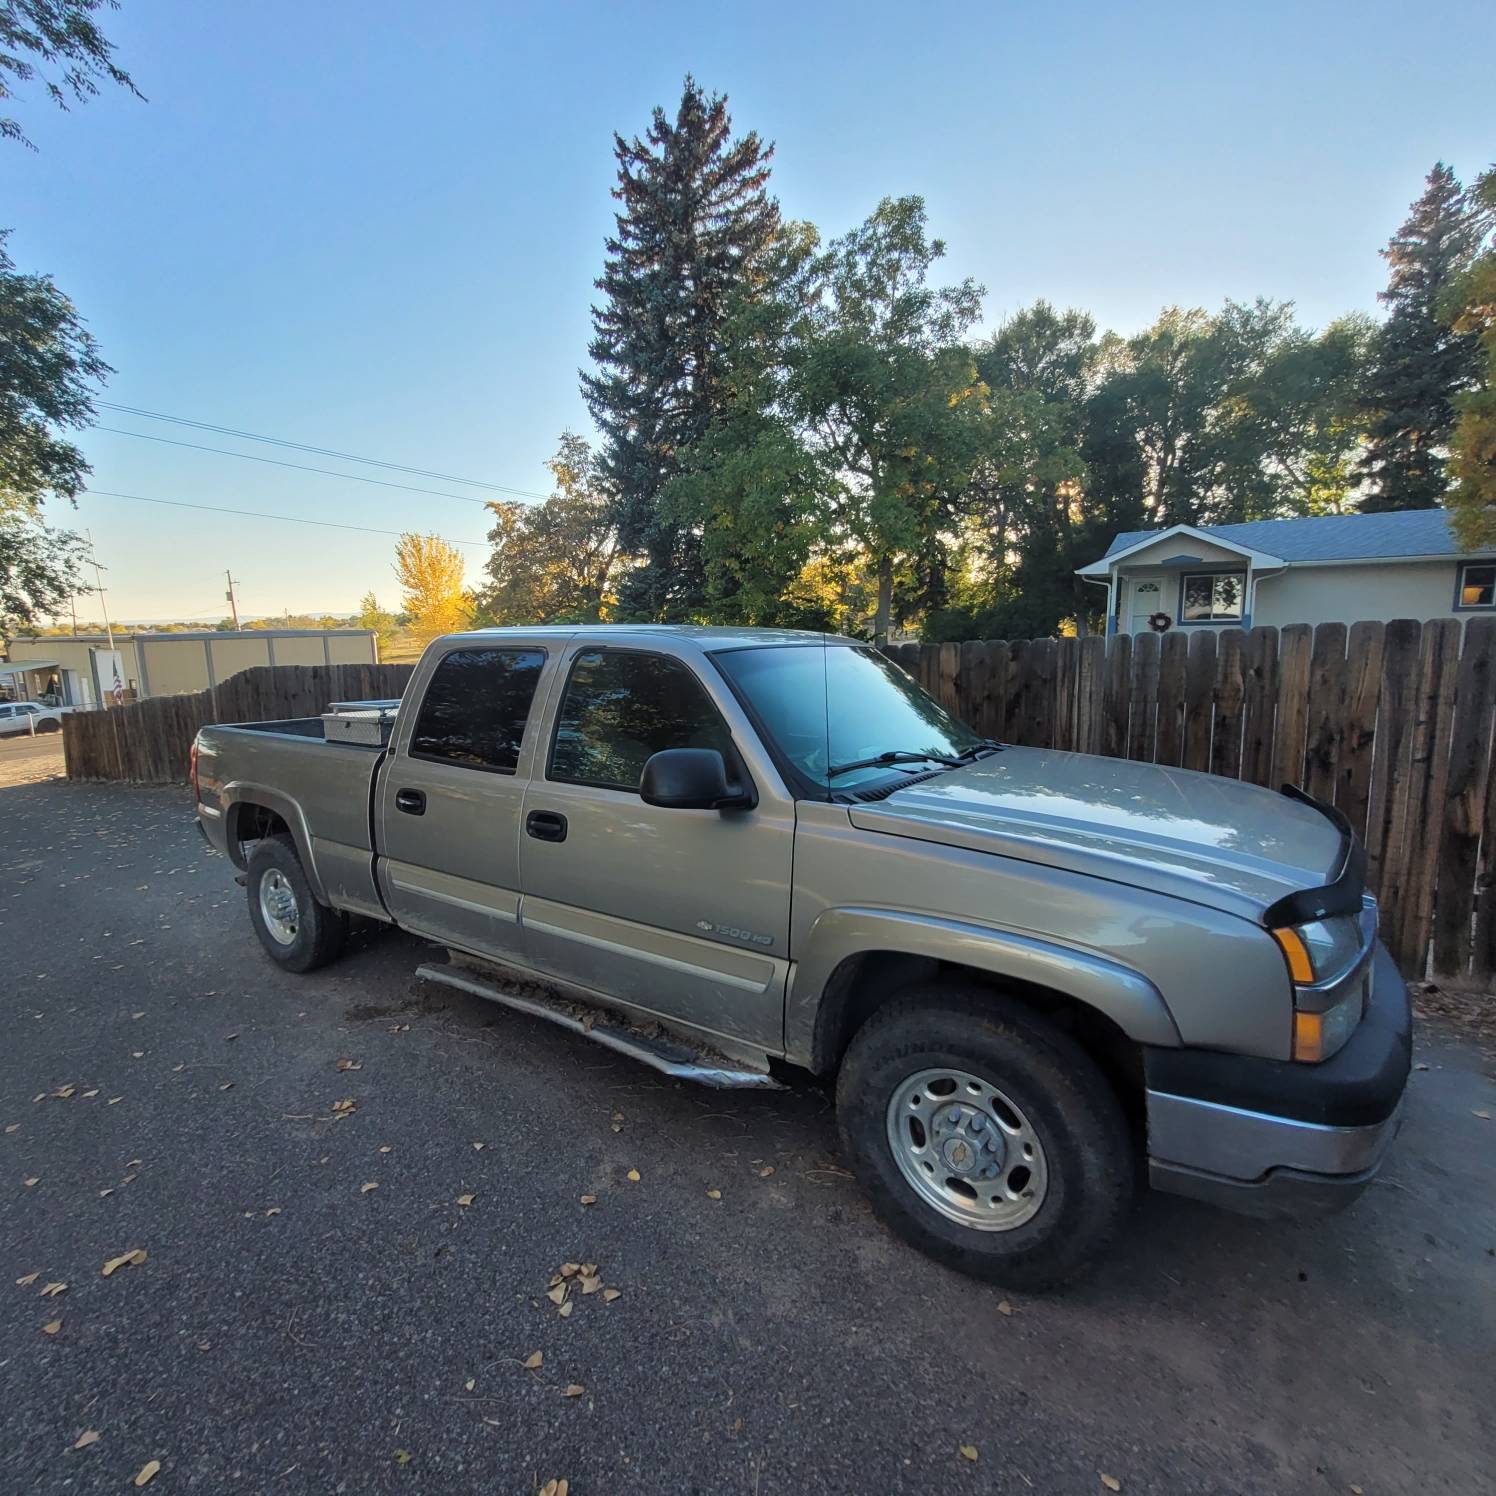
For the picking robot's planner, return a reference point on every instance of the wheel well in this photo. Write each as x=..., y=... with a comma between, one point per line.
x=253, y=823
x=864, y=983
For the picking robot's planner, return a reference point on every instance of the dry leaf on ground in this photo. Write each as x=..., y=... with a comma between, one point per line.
x=714, y=1194
x=1111, y=1482
x=1004, y=1307
x=566, y=1308
x=480, y=1146
x=764, y=1172
x=87, y=1437
x=133, y=1258
x=466, y=1199
x=29, y=1182
x=609, y=1294
x=591, y=1283
x=555, y=1488
x=372, y=1184
x=385, y=1148
x=51, y=1327
x=570, y=1269
x=573, y=1389
x=349, y=1065
x=28, y=1280
x=274, y=1210
x=557, y=1295
x=634, y=1175
x=468, y=1385
x=403, y=1457
x=52, y=1290
x=534, y=1361
x=147, y=1471
x=589, y=1199
x=968, y=1451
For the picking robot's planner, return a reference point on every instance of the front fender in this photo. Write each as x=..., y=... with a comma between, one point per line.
x=1130, y=1000
x=239, y=795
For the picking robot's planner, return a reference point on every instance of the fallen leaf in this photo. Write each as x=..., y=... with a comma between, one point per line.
x=29, y=1182
x=480, y=1146
x=114, y=1099
x=51, y=1327
x=1111, y=1482
x=1484, y=1116
x=87, y=1437
x=14, y=1127
x=147, y=1471
x=573, y=1389
x=89, y=1095
x=589, y=1199
x=136, y=1054
x=469, y=1384
x=566, y=1308
x=109, y=1191
x=466, y=1199
x=65, y=1091
x=364, y=1189
x=137, y=1015
x=274, y=1210
x=534, y=1360
x=968, y=1452
x=1357, y=1491
x=555, y=1488
x=403, y=1457
x=228, y=1085
x=557, y=1295
x=1004, y=1307
x=591, y=1283
x=28, y=1280
x=714, y=1194
x=349, y=1065
x=570, y=1269
x=52, y=1290
x=609, y=1294
x=764, y=1172
x=133, y=1258
x=634, y=1175
x=345, y=1105
x=386, y=1148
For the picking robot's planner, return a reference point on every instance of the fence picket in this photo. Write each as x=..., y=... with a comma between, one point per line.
x=1289, y=740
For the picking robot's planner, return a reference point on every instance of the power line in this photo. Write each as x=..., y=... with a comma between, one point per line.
x=300, y=467
x=290, y=519
x=276, y=441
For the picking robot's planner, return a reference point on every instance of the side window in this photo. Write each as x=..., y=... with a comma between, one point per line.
x=475, y=708
x=621, y=707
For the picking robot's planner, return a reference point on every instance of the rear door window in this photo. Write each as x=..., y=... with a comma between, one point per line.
x=622, y=706
x=476, y=707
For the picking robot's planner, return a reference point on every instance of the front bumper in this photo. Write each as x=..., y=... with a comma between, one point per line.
x=1278, y=1138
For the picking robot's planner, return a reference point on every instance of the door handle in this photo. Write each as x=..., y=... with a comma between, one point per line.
x=546, y=825
x=412, y=802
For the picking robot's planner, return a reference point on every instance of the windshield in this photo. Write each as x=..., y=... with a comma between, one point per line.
x=834, y=706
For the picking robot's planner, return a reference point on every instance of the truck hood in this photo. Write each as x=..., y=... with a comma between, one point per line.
x=1215, y=841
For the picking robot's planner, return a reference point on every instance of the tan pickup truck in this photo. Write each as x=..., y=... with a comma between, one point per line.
x=1037, y=976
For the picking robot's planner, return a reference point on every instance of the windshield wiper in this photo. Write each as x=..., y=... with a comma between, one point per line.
x=986, y=745
x=892, y=759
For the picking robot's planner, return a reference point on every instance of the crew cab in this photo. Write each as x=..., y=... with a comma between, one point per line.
x=1038, y=977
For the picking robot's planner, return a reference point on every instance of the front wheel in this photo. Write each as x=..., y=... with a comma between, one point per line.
x=297, y=932
x=985, y=1136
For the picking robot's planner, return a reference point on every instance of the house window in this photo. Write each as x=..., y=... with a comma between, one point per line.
x=1212, y=596
x=1477, y=585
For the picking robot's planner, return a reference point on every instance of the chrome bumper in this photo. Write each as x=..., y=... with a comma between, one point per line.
x=1260, y=1164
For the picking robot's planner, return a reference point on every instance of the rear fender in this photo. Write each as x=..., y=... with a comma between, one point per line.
x=241, y=796
x=1128, y=999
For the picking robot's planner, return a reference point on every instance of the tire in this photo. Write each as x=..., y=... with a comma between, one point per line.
x=315, y=932
x=1045, y=1217
x=50, y=725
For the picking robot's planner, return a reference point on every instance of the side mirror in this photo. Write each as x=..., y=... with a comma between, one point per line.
x=689, y=779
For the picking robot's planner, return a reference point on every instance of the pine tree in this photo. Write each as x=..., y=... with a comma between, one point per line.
x=695, y=221
x=1419, y=365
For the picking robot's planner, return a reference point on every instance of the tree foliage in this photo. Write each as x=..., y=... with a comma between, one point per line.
x=429, y=571
x=371, y=616
x=1470, y=309
x=1420, y=363
x=695, y=223
x=557, y=561
x=59, y=42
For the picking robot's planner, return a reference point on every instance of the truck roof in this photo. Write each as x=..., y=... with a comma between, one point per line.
x=707, y=638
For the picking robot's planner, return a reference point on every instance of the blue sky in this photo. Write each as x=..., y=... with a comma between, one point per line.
x=374, y=227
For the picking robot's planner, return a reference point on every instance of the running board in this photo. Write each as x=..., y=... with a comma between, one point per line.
x=668, y=1056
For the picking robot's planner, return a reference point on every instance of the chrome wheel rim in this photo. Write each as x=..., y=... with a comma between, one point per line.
x=278, y=907
x=967, y=1150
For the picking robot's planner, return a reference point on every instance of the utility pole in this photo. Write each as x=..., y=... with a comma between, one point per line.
x=233, y=602
x=98, y=578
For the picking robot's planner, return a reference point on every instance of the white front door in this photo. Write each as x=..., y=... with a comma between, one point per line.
x=1144, y=599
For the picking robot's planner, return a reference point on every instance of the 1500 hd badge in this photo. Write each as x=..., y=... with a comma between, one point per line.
x=731, y=932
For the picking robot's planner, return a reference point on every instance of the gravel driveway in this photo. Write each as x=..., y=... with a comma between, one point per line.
x=318, y=1310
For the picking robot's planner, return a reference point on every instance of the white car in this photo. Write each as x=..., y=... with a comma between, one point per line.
x=29, y=717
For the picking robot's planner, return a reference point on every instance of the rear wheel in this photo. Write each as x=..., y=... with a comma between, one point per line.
x=985, y=1136
x=297, y=932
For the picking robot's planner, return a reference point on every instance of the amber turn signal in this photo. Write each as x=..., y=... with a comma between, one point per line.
x=1309, y=1037
x=1300, y=968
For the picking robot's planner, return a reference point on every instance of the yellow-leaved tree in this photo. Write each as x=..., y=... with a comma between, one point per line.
x=430, y=574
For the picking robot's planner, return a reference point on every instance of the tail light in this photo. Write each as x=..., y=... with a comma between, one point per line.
x=192, y=772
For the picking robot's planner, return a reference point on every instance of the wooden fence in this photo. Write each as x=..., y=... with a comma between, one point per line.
x=150, y=742
x=1391, y=722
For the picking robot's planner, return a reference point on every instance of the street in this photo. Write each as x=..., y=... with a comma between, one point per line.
x=317, y=1309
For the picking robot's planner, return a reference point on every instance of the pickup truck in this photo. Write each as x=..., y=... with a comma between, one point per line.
x=1036, y=976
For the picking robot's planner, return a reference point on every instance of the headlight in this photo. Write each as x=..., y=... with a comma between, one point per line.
x=1328, y=1000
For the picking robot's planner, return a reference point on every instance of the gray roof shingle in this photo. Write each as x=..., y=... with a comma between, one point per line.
x=1332, y=537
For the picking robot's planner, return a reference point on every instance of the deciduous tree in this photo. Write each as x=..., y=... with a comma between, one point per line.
x=429, y=571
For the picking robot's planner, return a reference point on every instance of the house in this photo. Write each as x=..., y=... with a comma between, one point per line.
x=1338, y=568
x=80, y=670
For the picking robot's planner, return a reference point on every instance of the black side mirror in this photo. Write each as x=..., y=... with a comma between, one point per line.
x=690, y=779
